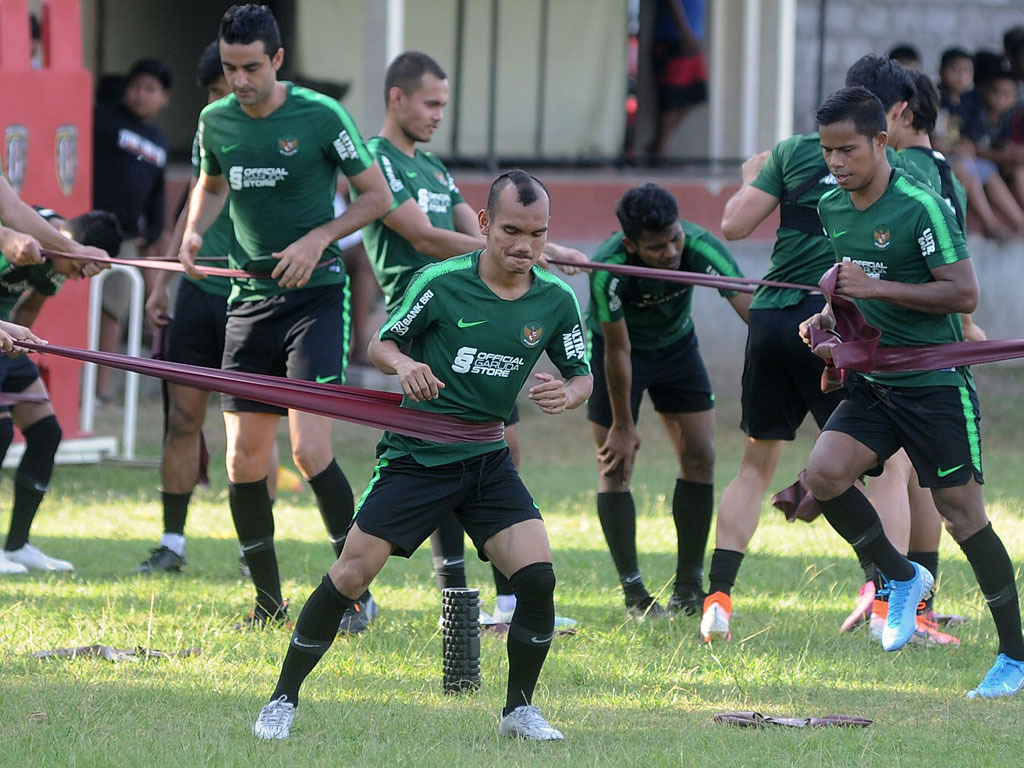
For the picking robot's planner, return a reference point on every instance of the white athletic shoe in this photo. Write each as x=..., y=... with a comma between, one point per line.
x=275, y=720
x=563, y=624
x=31, y=557
x=9, y=566
x=526, y=722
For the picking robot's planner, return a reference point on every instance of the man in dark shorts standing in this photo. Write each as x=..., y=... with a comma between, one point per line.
x=196, y=337
x=274, y=149
x=781, y=378
x=903, y=261
x=644, y=341
x=474, y=327
x=429, y=221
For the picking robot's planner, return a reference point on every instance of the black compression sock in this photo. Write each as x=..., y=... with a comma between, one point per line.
x=852, y=516
x=334, y=499
x=175, y=511
x=617, y=513
x=314, y=632
x=725, y=565
x=994, y=572
x=31, y=480
x=693, y=505
x=254, y=523
x=530, y=632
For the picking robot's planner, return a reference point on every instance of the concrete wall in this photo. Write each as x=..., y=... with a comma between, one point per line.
x=856, y=27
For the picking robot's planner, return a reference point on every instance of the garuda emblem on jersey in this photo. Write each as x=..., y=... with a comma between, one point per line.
x=882, y=238
x=532, y=333
x=288, y=146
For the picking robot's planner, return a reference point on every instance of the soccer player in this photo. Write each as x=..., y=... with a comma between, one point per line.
x=781, y=378
x=274, y=149
x=903, y=261
x=429, y=220
x=473, y=326
x=644, y=341
x=22, y=291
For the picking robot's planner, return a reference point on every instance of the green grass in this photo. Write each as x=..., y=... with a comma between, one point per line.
x=624, y=693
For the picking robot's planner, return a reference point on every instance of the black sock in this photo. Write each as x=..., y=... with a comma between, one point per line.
x=929, y=560
x=852, y=516
x=6, y=436
x=448, y=547
x=254, y=523
x=502, y=585
x=530, y=632
x=314, y=632
x=870, y=571
x=175, y=511
x=334, y=499
x=617, y=513
x=32, y=478
x=725, y=564
x=994, y=572
x=693, y=505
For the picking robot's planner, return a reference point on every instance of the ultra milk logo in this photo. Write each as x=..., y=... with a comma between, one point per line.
x=575, y=345
x=345, y=147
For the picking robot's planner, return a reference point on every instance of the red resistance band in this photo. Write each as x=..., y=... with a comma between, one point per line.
x=722, y=282
x=369, y=407
x=165, y=264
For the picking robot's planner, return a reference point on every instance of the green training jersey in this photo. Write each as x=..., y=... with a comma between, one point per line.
x=281, y=172
x=926, y=162
x=902, y=236
x=798, y=257
x=217, y=240
x=481, y=346
x=15, y=280
x=422, y=178
x=657, y=312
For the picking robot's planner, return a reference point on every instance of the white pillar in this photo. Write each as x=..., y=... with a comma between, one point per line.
x=750, y=85
x=395, y=40
x=717, y=76
x=786, y=62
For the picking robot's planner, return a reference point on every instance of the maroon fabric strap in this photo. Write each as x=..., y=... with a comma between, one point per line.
x=167, y=265
x=722, y=282
x=854, y=344
x=8, y=399
x=361, y=406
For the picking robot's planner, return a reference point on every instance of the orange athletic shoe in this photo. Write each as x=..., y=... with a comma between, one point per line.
x=714, y=624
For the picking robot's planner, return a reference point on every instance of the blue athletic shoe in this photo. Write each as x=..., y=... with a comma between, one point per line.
x=1004, y=679
x=903, y=599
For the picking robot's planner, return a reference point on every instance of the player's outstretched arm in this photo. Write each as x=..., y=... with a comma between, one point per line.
x=18, y=248
x=414, y=226
x=554, y=396
x=749, y=206
x=954, y=289
x=417, y=380
x=204, y=206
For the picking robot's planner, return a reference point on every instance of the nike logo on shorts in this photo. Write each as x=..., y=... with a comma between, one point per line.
x=943, y=472
x=325, y=379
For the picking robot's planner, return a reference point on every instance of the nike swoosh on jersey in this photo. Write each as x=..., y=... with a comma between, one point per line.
x=464, y=324
x=225, y=148
x=943, y=472
x=411, y=174
x=837, y=235
x=325, y=379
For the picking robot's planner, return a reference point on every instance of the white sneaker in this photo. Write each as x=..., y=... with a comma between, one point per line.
x=9, y=566
x=275, y=720
x=32, y=557
x=563, y=624
x=526, y=722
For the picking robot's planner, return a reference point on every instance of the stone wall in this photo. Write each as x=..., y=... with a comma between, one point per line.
x=856, y=27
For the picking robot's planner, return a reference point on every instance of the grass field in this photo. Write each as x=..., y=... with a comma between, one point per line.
x=623, y=693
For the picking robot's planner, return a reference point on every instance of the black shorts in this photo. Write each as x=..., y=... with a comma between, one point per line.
x=681, y=79
x=197, y=332
x=16, y=375
x=781, y=376
x=405, y=501
x=301, y=334
x=674, y=377
x=938, y=426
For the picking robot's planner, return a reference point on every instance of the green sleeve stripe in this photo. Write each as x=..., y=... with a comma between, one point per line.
x=943, y=238
x=717, y=256
x=599, y=294
x=547, y=277
x=346, y=120
x=420, y=282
